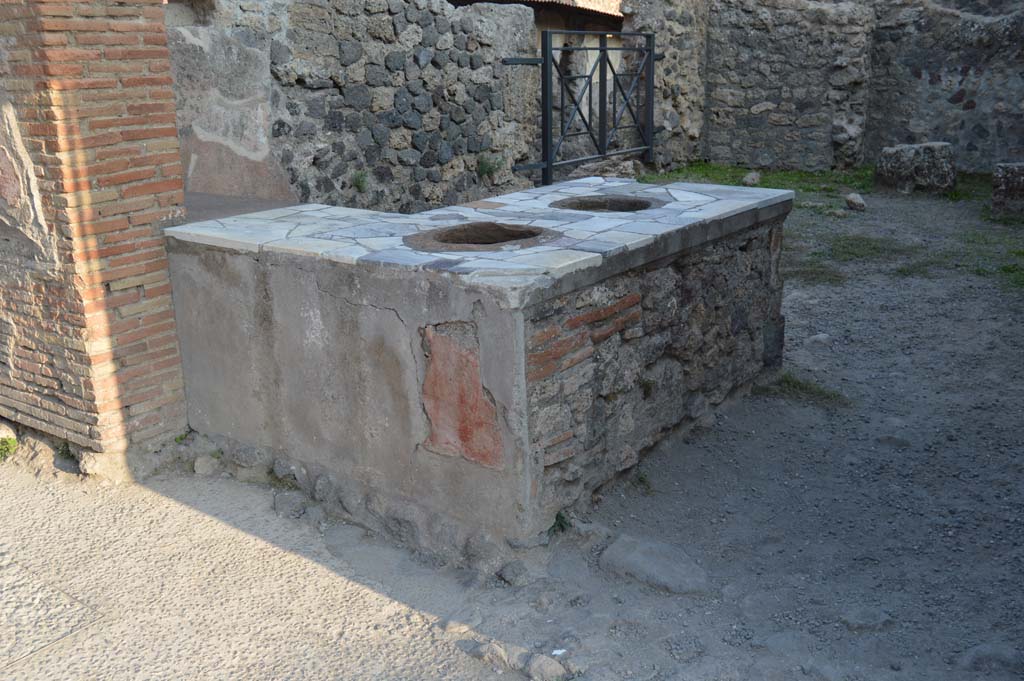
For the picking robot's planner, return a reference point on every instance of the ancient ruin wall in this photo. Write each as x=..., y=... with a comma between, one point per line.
x=681, y=30
x=950, y=73
x=87, y=177
x=390, y=104
x=787, y=83
x=613, y=368
x=813, y=85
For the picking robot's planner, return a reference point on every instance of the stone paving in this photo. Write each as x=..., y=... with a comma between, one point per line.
x=587, y=238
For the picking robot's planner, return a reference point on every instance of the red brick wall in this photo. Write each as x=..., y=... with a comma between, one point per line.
x=88, y=349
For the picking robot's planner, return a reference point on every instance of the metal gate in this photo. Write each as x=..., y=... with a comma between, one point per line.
x=600, y=103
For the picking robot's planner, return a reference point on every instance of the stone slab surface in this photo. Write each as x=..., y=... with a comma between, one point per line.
x=685, y=215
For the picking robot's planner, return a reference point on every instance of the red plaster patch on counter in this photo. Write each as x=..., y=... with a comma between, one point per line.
x=463, y=420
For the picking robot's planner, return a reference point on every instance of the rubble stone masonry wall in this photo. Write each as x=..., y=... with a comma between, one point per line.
x=405, y=104
x=681, y=28
x=950, y=72
x=393, y=105
x=604, y=364
x=787, y=83
x=813, y=85
x=89, y=174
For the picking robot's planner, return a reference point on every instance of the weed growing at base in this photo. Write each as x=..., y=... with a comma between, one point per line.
x=8, y=445
x=791, y=386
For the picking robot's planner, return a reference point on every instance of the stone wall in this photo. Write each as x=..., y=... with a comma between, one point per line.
x=681, y=30
x=613, y=368
x=949, y=74
x=814, y=85
x=353, y=101
x=89, y=173
x=394, y=104
x=787, y=83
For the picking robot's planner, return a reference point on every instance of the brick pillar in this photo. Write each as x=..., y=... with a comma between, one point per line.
x=88, y=349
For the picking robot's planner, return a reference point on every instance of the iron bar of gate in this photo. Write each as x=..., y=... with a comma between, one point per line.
x=602, y=103
x=608, y=125
x=650, y=56
x=626, y=106
x=576, y=111
x=548, y=174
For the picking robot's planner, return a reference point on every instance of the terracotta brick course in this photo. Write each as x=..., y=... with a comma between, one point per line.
x=603, y=312
x=88, y=349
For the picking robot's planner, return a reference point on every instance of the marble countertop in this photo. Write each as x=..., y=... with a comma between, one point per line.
x=689, y=214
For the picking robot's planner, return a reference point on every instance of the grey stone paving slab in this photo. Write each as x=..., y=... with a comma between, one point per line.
x=300, y=246
x=602, y=247
x=399, y=257
x=660, y=565
x=690, y=214
x=559, y=262
x=347, y=254
x=646, y=227
x=490, y=267
x=630, y=240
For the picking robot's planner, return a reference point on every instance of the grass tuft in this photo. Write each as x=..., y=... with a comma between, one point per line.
x=487, y=166
x=791, y=386
x=851, y=247
x=1012, y=274
x=923, y=267
x=813, y=271
x=64, y=451
x=836, y=182
x=971, y=187
x=997, y=252
x=1005, y=220
x=561, y=524
x=643, y=483
x=8, y=445
x=360, y=180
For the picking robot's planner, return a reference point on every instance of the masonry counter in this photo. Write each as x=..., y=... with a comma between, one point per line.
x=460, y=375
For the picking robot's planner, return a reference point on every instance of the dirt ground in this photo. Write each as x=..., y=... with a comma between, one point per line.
x=863, y=519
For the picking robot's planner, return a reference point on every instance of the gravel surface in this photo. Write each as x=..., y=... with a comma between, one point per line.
x=862, y=520
x=883, y=537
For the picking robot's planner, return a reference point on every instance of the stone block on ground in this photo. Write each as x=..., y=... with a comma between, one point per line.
x=515, y=573
x=856, y=202
x=656, y=564
x=1008, y=189
x=907, y=168
x=290, y=503
x=544, y=668
x=206, y=465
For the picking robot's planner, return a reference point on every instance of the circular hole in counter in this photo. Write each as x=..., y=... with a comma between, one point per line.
x=484, y=234
x=607, y=204
x=479, y=236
